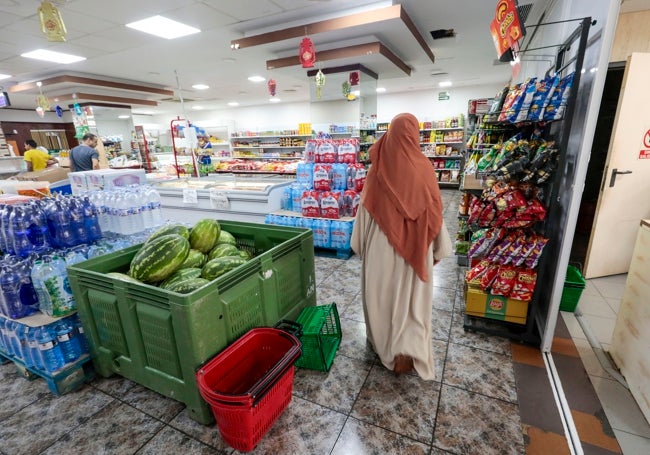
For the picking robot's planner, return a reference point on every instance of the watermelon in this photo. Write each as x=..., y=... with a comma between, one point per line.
x=246, y=254
x=224, y=249
x=176, y=228
x=159, y=258
x=187, y=286
x=204, y=235
x=194, y=259
x=226, y=237
x=217, y=267
x=123, y=277
x=181, y=275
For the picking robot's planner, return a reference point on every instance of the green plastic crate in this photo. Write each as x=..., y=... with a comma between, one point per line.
x=160, y=338
x=574, y=284
x=321, y=337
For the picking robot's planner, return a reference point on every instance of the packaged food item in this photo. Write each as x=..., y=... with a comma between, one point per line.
x=329, y=205
x=473, y=275
x=497, y=104
x=504, y=280
x=323, y=177
x=533, y=257
x=347, y=150
x=487, y=160
x=497, y=253
x=512, y=103
x=555, y=108
x=513, y=249
x=484, y=242
x=527, y=99
x=326, y=152
x=545, y=89
x=524, y=286
x=488, y=277
x=310, y=204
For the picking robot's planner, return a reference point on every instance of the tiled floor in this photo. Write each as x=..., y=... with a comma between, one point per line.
x=599, y=304
x=474, y=406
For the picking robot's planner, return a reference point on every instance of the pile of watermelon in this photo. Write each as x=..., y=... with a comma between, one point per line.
x=182, y=260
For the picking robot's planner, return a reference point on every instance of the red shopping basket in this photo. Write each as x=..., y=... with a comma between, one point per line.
x=248, y=385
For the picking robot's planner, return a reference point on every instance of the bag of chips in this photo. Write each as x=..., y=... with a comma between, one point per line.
x=527, y=99
x=555, y=108
x=473, y=275
x=511, y=104
x=524, y=286
x=533, y=257
x=504, y=280
x=488, y=277
x=545, y=89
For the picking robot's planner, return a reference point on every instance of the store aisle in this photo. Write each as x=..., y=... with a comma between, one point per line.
x=473, y=407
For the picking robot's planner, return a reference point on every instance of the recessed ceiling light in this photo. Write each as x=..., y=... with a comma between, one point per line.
x=197, y=108
x=4, y=76
x=274, y=100
x=233, y=103
x=200, y=86
x=444, y=84
x=256, y=79
x=163, y=27
x=51, y=56
x=380, y=89
x=123, y=116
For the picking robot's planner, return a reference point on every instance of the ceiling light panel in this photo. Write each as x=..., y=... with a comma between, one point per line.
x=200, y=87
x=256, y=79
x=51, y=56
x=163, y=27
x=4, y=76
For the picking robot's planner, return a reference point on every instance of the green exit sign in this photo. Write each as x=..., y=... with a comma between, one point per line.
x=443, y=96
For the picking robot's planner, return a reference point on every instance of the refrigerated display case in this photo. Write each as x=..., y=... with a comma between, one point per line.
x=225, y=197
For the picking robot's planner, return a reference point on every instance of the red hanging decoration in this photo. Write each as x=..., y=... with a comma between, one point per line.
x=354, y=78
x=271, y=84
x=307, y=53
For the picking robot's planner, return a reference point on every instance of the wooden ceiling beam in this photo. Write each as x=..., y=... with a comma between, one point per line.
x=344, y=52
x=70, y=79
x=339, y=23
x=345, y=69
x=106, y=98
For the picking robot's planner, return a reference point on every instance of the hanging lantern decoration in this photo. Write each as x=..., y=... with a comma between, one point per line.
x=354, y=78
x=40, y=112
x=307, y=53
x=272, y=86
x=346, y=87
x=59, y=111
x=51, y=22
x=320, y=83
x=43, y=102
x=77, y=109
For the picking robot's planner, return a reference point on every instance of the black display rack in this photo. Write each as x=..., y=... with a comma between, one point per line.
x=558, y=193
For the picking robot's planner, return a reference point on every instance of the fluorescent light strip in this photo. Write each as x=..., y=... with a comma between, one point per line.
x=51, y=56
x=200, y=86
x=163, y=27
x=4, y=76
x=256, y=79
x=233, y=103
x=444, y=84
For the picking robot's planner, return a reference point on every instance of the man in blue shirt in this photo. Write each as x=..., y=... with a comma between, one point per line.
x=85, y=157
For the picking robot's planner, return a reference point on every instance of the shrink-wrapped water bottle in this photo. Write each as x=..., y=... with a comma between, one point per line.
x=77, y=222
x=68, y=341
x=49, y=349
x=19, y=231
x=33, y=348
x=91, y=220
x=10, y=289
x=6, y=243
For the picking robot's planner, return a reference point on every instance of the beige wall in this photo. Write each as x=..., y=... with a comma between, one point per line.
x=632, y=35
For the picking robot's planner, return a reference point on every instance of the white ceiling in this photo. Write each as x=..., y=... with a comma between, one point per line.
x=96, y=31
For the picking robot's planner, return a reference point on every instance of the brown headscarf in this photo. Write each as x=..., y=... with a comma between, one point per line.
x=401, y=192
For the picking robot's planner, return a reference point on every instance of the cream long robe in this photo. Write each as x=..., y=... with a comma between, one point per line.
x=397, y=304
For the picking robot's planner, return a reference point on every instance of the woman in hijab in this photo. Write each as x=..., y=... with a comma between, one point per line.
x=400, y=234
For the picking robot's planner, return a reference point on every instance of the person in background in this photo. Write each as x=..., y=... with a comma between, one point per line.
x=204, y=143
x=400, y=234
x=85, y=157
x=37, y=157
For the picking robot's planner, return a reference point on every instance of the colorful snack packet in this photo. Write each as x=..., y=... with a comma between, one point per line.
x=545, y=89
x=555, y=108
x=533, y=257
x=527, y=99
x=504, y=281
x=488, y=277
x=524, y=286
x=473, y=275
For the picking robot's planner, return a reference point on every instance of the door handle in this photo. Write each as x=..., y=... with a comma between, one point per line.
x=615, y=171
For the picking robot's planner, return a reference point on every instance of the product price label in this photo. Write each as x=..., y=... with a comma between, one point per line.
x=190, y=196
x=219, y=200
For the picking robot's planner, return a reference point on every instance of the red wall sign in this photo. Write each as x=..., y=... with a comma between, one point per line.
x=645, y=154
x=505, y=28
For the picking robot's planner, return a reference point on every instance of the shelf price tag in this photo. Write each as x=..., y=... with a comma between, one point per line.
x=190, y=196
x=219, y=200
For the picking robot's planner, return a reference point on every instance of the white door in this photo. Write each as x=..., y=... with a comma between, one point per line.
x=625, y=191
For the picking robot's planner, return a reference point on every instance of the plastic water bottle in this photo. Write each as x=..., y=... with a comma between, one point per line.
x=339, y=176
x=35, y=353
x=5, y=344
x=135, y=210
x=81, y=334
x=39, y=234
x=77, y=222
x=5, y=239
x=69, y=343
x=10, y=288
x=91, y=220
x=99, y=201
x=27, y=293
x=155, y=202
x=286, y=202
x=59, y=224
x=21, y=334
x=49, y=348
x=12, y=336
x=42, y=271
x=19, y=231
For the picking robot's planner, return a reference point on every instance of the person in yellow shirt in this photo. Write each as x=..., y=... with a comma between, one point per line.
x=37, y=158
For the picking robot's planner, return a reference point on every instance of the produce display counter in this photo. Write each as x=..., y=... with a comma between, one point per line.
x=226, y=197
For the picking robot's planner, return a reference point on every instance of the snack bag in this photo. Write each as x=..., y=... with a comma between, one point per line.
x=497, y=104
x=487, y=160
x=527, y=99
x=488, y=277
x=524, y=286
x=533, y=257
x=310, y=205
x=504, y=281
x=347, y=150
x=555, y=108
x=512, y=103
x=545, y=89
x=329, y=205
x=323, y=177
x=497, y=253
x=513, y=249
x=473, y=275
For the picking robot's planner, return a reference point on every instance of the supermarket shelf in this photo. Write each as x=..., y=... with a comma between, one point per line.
x=237, y=147
x=448, y=184
x=445, y=157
